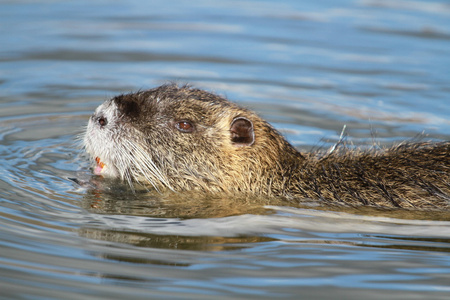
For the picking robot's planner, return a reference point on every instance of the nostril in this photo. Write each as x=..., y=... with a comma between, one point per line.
x=102, y=121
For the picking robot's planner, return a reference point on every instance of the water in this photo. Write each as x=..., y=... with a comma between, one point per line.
x=309, y=67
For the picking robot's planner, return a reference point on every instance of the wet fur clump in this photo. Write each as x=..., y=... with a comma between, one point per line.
x=405, y=176
x=181, y=138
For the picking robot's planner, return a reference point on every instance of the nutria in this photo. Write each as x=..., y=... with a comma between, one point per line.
x=182, y=138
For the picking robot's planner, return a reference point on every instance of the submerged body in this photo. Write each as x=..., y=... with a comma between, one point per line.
x=180, y=138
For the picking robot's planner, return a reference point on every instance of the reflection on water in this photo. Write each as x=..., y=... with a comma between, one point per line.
x=191, y=243
x=115, y=197
x=309, y=67
x=176, y=206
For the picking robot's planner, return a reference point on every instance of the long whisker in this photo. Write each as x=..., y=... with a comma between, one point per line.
x=143, y=157
x=126, y=157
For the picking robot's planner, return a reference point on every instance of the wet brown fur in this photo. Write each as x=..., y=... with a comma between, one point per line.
x=406, y=176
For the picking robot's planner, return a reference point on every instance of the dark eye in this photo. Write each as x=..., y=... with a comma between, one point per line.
x=184, y=126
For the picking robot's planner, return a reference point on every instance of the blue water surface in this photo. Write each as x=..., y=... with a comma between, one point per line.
x=381, y=68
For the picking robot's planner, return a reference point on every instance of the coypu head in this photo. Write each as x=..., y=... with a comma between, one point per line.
x=186, y=139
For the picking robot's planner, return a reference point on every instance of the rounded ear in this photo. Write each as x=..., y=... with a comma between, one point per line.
x=242, y=133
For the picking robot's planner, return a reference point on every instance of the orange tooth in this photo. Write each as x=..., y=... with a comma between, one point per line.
x=99, y=163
